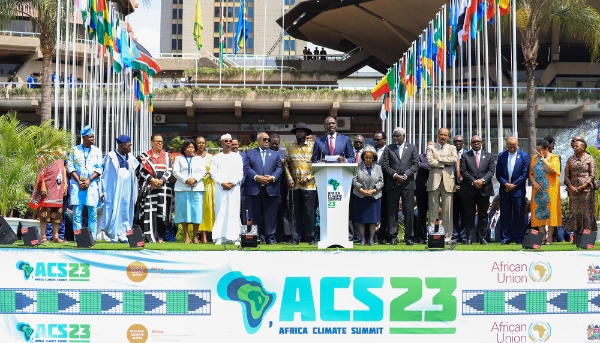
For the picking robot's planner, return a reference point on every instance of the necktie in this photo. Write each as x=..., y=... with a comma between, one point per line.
x=330, y=145
x=263, y=156
x=356, y=157
x=510, y=166
x=477, y=158
x=458, y=166
x=400, y=151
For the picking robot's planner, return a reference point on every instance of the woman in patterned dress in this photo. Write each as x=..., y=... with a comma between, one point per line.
x=544, y=175
x=48, y=195
x=209, y=190
x=580, y=171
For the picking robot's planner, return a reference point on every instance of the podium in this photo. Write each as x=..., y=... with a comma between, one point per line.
x=334, y=187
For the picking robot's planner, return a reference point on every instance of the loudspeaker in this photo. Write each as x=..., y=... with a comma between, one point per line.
x=586, y=239
x=7, y=235
x=135, y=237
x=249, y=235
x=84, y=238
x=31, y=236
x=436, y=236
x=533, y=239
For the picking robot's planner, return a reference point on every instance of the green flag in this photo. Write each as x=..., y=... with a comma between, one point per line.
x=198, y=25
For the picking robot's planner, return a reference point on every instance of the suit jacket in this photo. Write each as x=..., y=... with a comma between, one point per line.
x=253, y=166
x=470, y=173
x=363, y=180
x=407, y=165
x=422, y=176
x=343, y=147
x=458, y=180
x=441, y=169
x=519, y=176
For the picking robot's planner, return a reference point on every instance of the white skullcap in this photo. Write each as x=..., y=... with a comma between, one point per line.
x=226, y=136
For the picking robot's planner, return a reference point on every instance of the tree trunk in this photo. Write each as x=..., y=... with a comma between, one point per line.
x=531, y=109
x=46, y=105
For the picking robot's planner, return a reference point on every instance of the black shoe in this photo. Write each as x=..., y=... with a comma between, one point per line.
x=468, y=242
x=312, y=243
x=483, y=241
x=505, y=242
x=381, y=241
x=420, y=241
x=394, y=241
x=409, y=242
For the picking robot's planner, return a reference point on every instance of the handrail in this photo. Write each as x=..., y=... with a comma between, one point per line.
x=19, y=34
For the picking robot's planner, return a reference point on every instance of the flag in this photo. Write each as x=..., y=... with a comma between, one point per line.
x=491, y=11
x=402, y=81
x=385, y=85
x=478, y=18
x=470, y=13
x=104, y=25
x=241, y=31
x=93, y=5
x=418, y=66
x=504, y=7
x=221, y=40
x=82, y=6
x=198, y=25
x=144, y=61
x=438, y=41
x=408, y=74
x=117, y=63
x=125, y=49
x=426, y=60
x=460, y=23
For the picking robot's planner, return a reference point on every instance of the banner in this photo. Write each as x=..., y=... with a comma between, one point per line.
x=80, y=296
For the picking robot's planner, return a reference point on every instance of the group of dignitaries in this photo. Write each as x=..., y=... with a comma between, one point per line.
x=217, y=193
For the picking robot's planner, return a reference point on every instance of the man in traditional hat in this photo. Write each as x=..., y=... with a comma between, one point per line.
x=301, y=182
x=119, y=190
x=227, y=171
x=85, y=168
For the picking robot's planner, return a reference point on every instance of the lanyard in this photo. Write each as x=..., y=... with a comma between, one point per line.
x=85, y=156
x=189, y=163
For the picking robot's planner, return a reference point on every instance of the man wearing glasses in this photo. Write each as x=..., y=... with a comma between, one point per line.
x=477, y=168
x=262, y=170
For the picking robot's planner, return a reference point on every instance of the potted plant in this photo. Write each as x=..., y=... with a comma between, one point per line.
x=22, y=149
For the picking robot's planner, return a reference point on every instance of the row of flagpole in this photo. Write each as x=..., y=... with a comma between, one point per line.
x=428, y=82
x=115, y=94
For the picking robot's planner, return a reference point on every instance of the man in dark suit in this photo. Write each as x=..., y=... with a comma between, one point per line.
x=282, y=210
x=262, y=170
x=459, y=233
x=333, y=144
x=512, y=171
x=422, y=198
x=477, y=168
x=400, y=163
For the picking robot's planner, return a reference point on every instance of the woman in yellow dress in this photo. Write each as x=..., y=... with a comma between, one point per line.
x=544, y=176
x=209, y=190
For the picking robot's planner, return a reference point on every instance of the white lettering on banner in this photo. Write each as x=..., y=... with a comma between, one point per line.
x=404, y=296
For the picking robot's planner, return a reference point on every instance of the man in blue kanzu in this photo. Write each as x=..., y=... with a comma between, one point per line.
x=119, y=190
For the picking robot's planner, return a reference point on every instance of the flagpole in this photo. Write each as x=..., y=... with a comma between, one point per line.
x=488, y=133
x=444, y=64
x=478, y=84
x=453, y=57
x=499, y=78
x=221, y=48
x=243, y=36
x=264, y=42
x=57, y=65
x=462, y=89
x=66, y=63
x=282, y=37
x=470, y=95
x=84, y=75
x=513, y=18
x=73, y=84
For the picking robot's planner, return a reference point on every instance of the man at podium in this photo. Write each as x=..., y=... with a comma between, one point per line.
x=333, y=147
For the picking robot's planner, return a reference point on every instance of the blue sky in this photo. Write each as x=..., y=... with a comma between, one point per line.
x=146, y=25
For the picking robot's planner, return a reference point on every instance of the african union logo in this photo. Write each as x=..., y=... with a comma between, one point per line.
x=26, y=268
x=540, y=271
x=593, y=273
x=26, y=330
x=593, y=332
x=539, y=331
x=249, y=291
x=334, y=183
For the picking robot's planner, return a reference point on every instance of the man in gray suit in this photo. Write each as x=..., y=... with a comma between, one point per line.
x=400, y=163
x=441, y=158
x=477, y=168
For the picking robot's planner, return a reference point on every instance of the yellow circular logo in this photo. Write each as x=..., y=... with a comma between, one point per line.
x=137, y=333
x=137, y=271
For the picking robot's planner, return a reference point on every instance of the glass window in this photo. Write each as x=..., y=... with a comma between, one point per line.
x=216, y=42
x=173, y=44
x=250, y=43
x=250, y=27
x=181, y=2
x=174, y=2
x=180, y=13
x=290, y=2
x=229, y=42
x=180, y=28
x=229, y=12
x=289, y=45
x=174, y=27
x=217, y=26
x=174, y=13
x=180, y=44
x=230, y=27
x=250, y=12
x=236, y=12
x=217, y=12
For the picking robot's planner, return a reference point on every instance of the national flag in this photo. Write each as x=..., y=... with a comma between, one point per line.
x=460, y=23
x=504, y=7
x=418, y=66
x=385, y=85
x=221, y=39
x=93, y=5
x=402, y=81
x=198, y=25
x=125, y=49
x=104, y=25
x=438, y=41
x=491, y=11
x=241, y=31
x=408, y=74
x=144, y=61
x=478, y=18
x=426, y=60
x=470, y=13
x=82, y=6
x=385, y=106
x=117, y=63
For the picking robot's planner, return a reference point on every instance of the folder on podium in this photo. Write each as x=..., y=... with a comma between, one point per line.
x=334, y=187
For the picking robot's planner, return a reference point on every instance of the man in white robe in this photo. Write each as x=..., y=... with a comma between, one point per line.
x=119, y=190
x=227, y=171
x=85, y=167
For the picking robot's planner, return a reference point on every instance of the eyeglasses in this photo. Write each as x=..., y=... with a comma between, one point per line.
x=377, y=139
x=266, y=139
x=457, y=141
x=227, y=140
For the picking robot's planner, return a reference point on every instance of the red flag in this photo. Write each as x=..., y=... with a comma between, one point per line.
x=491, y=9
x=469, y=13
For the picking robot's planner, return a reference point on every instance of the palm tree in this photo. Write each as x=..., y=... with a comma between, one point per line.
x=574, y=17
x=43, y=14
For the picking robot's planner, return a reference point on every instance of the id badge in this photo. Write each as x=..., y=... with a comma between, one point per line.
x=84, y=175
